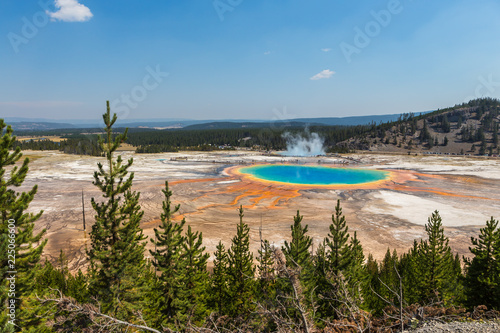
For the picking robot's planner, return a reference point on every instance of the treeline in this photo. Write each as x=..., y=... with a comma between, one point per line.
x=81, y=146
x=288, y=289
x=264, y=138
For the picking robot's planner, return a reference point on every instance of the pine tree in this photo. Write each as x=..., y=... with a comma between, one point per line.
x=297, y=251
x=241, y=271
x=193, y=280
x=27, y=246
x=267, y=274
x=355, y=273
x=411, y=272
x=436, y=263
x=388, y=273
x=482, y=280
x=343, y=261
x=219, y=289
x=388, y=281
x=338, y=251
x=495, y=135
x=117, y=252
x=167, y=258
x=371, y=300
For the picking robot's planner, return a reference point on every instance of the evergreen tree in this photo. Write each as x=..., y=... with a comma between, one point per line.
x=387, y=269
x=241, y=271
x=371, y=300
x=166, y=259
x=482, y=148
x=495, y=135
x=219, y=289
x=343, y=263
x=388, y=275
x=117, y=252
x=424, y=133
x=410, y=271
x=297, y=251
x=49, y=277
x=27, y=247
x=267, y=273
x=193, y=280
x=445, y=124
x=355, y=273
x=337, y=246
x=438, y=277
x=483, y=270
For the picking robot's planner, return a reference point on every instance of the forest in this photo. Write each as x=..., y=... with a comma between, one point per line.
x=335, y=288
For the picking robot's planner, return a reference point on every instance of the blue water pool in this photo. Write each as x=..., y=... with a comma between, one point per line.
x=314, y=175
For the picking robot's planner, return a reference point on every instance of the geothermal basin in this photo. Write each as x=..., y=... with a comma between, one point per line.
x=211, y=186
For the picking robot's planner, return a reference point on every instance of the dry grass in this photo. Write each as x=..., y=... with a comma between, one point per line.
x=126, y=147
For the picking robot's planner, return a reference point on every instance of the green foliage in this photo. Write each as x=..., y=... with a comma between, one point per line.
x=483, y=270
x=338, y=251
x=87, y=145
x=219, y=299
x=167, y=261
x=116, y=254
x=193, y=281
x=267, y=281
x=13, y=205
x=437, y=276
x=384, y=282
x=445, y=124
x=339, y=268
x=49, y=278
x=241, y=271
x=373, y=286
x=297, y=251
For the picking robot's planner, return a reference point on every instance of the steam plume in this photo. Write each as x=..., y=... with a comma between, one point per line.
x=307, y=144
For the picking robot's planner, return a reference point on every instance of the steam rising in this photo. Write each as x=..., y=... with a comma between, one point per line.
x=307, y=144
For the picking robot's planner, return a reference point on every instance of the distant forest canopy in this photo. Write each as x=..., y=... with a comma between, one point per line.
x=469, y=128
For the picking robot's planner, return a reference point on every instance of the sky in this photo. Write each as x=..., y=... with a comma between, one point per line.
x=244, y=59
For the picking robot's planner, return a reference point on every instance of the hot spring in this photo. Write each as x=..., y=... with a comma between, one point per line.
x=313, y=175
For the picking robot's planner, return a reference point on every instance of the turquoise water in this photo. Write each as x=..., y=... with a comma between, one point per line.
x=314, y=175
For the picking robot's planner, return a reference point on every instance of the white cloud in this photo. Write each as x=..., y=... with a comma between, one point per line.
x=267, y=53
x=326, y=49
x=325, y=74
x=70, y=11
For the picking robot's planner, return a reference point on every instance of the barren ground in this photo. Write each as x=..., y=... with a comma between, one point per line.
x=392, y=214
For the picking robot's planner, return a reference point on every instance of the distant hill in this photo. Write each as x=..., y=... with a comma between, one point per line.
x=354, y=120
x=39, y=124
x=233, y=125
x=471, y=128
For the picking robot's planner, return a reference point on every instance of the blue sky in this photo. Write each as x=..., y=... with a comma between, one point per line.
x=244, y=59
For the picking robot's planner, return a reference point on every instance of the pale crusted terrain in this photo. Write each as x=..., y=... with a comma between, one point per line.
x=392, y=214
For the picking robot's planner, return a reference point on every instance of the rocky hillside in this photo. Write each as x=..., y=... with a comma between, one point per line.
x=471, y=128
